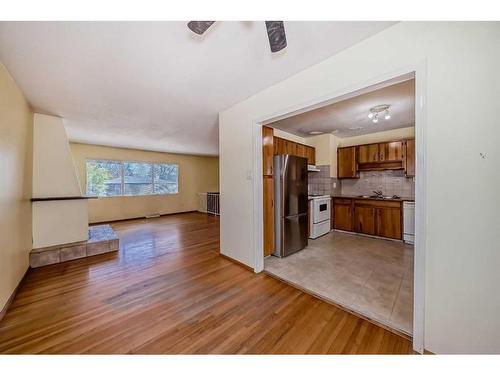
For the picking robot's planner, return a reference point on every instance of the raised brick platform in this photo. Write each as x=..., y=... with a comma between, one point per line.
x=102, y=239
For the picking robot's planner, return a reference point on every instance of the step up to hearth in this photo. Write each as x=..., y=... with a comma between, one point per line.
x=102, y=239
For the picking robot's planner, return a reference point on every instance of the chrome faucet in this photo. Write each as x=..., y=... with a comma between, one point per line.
x=378, y=193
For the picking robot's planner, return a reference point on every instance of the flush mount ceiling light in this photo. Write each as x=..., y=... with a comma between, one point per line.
x=356, y=128
x=315, y=133
x=376, y=111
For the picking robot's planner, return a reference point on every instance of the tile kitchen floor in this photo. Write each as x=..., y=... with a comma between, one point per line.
x=370, y=276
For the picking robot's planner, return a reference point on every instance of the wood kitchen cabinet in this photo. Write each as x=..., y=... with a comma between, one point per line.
x=390, y=151
x=311, y=155
x=410, y=158
x=267, y=151
x=342, y=216
x=290, y=148
x=346, y=162
x=283, y=146
x=381, y=152
x=369, y=216
x=376, y=157
x=389, y=222
x=365, y=219
x=368, y=153
x=268, y=222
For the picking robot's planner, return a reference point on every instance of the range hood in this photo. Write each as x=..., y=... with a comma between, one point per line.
x=313, y=168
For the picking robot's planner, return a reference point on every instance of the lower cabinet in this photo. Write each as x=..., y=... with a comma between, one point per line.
x=372, y=217
x=389, y=223
x=365, y=220
x=342, y=216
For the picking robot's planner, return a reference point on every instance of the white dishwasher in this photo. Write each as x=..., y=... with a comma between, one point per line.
x=409, y=222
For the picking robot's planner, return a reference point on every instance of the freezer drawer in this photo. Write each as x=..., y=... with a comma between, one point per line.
x=293, y=236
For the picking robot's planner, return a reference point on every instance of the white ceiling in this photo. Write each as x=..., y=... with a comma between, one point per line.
x=156, y=85
x=348, y=117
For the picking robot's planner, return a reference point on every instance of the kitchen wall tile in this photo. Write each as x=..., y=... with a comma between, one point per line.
x=391, y=182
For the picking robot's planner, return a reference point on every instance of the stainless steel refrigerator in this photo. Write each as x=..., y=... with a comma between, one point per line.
x=290, y=208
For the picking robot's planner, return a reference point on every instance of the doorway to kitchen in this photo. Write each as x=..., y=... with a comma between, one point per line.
x=360, y=151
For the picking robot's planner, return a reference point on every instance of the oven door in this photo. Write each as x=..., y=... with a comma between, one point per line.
x=321, y=210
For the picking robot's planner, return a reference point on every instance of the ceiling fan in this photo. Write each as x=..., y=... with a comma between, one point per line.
x=275, y=32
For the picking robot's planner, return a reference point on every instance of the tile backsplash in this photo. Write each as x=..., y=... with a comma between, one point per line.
x=390, y=182
x=322, y=183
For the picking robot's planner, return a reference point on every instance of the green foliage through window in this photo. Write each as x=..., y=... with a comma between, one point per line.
x=107, y=178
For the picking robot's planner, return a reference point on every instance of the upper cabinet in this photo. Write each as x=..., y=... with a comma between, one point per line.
x=369, y=153
x=391, y=151
x=376, y=157
x=346, y=162
x=381, y=152
x=310, y=154
x=284, y=146
x=410, y=158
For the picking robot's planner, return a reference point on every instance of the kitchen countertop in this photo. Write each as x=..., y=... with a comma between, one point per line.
x=402, y=199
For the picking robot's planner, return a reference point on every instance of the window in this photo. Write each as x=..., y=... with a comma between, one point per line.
x=106, y=178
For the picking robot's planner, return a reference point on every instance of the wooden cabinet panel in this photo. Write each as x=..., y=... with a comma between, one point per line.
x=346, y=162
x=391, y=151
x=368, y=153
x=332, y=214
x=342, y=216
x=267, y=151
x=365, y=219
x=311, y=155
x=410, y=158
x=283, y=146
x=389, y=223
x=290, y=147
x=279, y=146
x=268, y=222
x=301, y=150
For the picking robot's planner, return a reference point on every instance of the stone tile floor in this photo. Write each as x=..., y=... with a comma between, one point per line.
x=370, y=276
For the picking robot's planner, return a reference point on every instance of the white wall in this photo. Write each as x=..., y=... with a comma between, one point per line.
x=462, y=310
x=54, y=175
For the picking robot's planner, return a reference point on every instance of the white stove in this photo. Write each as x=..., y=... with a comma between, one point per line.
x=319, y=215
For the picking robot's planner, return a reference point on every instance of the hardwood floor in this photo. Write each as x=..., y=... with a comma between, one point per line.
x=168, y=291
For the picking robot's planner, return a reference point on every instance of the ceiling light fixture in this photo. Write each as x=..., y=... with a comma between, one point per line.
x=315, y=133
x=378, y=109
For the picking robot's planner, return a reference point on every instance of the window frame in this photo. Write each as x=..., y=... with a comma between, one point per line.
x=122, y=177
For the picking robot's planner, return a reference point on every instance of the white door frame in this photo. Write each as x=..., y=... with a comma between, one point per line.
x=420, y=71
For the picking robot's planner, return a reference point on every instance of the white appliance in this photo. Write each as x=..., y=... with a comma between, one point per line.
x=319, y=215
x=409, y=222
x=313, y=168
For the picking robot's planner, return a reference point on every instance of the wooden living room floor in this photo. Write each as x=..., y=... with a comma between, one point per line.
x=168, y=291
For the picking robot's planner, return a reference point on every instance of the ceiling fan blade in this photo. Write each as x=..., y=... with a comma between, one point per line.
x=199, y=27
x=276, y=34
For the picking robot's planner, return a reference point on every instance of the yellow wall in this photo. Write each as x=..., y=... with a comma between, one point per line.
x=196, y=174
x=16, y=139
